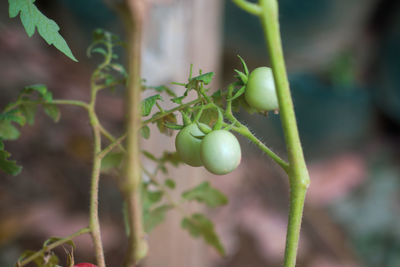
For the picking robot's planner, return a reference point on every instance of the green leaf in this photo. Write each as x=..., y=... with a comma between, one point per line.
x=52, y=111
x=171, y=157
x=150, y=197
x=150, y=156
x=206, y=78
x=8, y=166
x=173, y=126
x=119, y=68
x=178, y=100
x=48, y=260
x=111, y=160
x=98, y=50
x=246, y=70
x=145, y=132
x=8, y=131
x=154, y=217
x=28, y=110
x=170, y=118
x=170, y=183
x=148, y=103
x=242, y=77
x=206, y=194
x=163, y=88
x=199, y=225
x=41, y=89
x=24, y=255
x=31, y=18
x=209, y=116
x=238, y=93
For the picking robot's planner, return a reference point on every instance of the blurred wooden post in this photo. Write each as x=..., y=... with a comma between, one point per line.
x=178, y=33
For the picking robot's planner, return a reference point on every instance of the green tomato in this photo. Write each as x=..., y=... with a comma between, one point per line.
x=188, y=146
x=220, y=152
x=260, y=90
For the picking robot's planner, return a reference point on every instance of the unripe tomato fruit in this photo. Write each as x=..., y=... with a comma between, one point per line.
x=85, y=265
x=220, y=152
x=260, y=90
x=188, y=146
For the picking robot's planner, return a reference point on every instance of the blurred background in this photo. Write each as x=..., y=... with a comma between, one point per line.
x=343, y=59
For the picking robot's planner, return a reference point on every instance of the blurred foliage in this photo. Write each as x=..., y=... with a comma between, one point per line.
x=386, y=85
x=370, y=216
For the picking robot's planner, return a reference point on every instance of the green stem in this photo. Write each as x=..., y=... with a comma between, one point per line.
x=52, y=246
x=94, y=222
x=298, y=173
x=55, y=101
x=116, y=142
x=243, y=130
x=168, y=112
x=70, y=102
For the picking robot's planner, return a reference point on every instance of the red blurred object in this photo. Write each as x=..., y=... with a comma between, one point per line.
x=85, y=265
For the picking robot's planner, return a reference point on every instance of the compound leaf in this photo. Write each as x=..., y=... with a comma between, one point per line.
x=31, y=18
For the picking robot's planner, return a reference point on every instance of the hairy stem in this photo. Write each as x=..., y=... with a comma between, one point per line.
x=115, y=143
x=131, y=186
x=243, y=130
x=94, y=223
x=52, y=246
x=298, y=173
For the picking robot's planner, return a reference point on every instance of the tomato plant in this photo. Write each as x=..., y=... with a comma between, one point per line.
x=187, y=144
x=260, y=90
x=220, y=152
x=147, y=197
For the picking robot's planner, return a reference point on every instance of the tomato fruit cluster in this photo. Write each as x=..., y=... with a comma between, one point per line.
x=218, y=151
x=260, y=90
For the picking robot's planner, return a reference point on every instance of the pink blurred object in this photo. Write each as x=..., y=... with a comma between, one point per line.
x=84, y=264
x=334, y=178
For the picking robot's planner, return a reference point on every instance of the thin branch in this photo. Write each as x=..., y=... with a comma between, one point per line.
x=243, y=130
x=110, y=137
x=94, y=222
x=111, y=146
x=168, y=112
x=52, y=246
